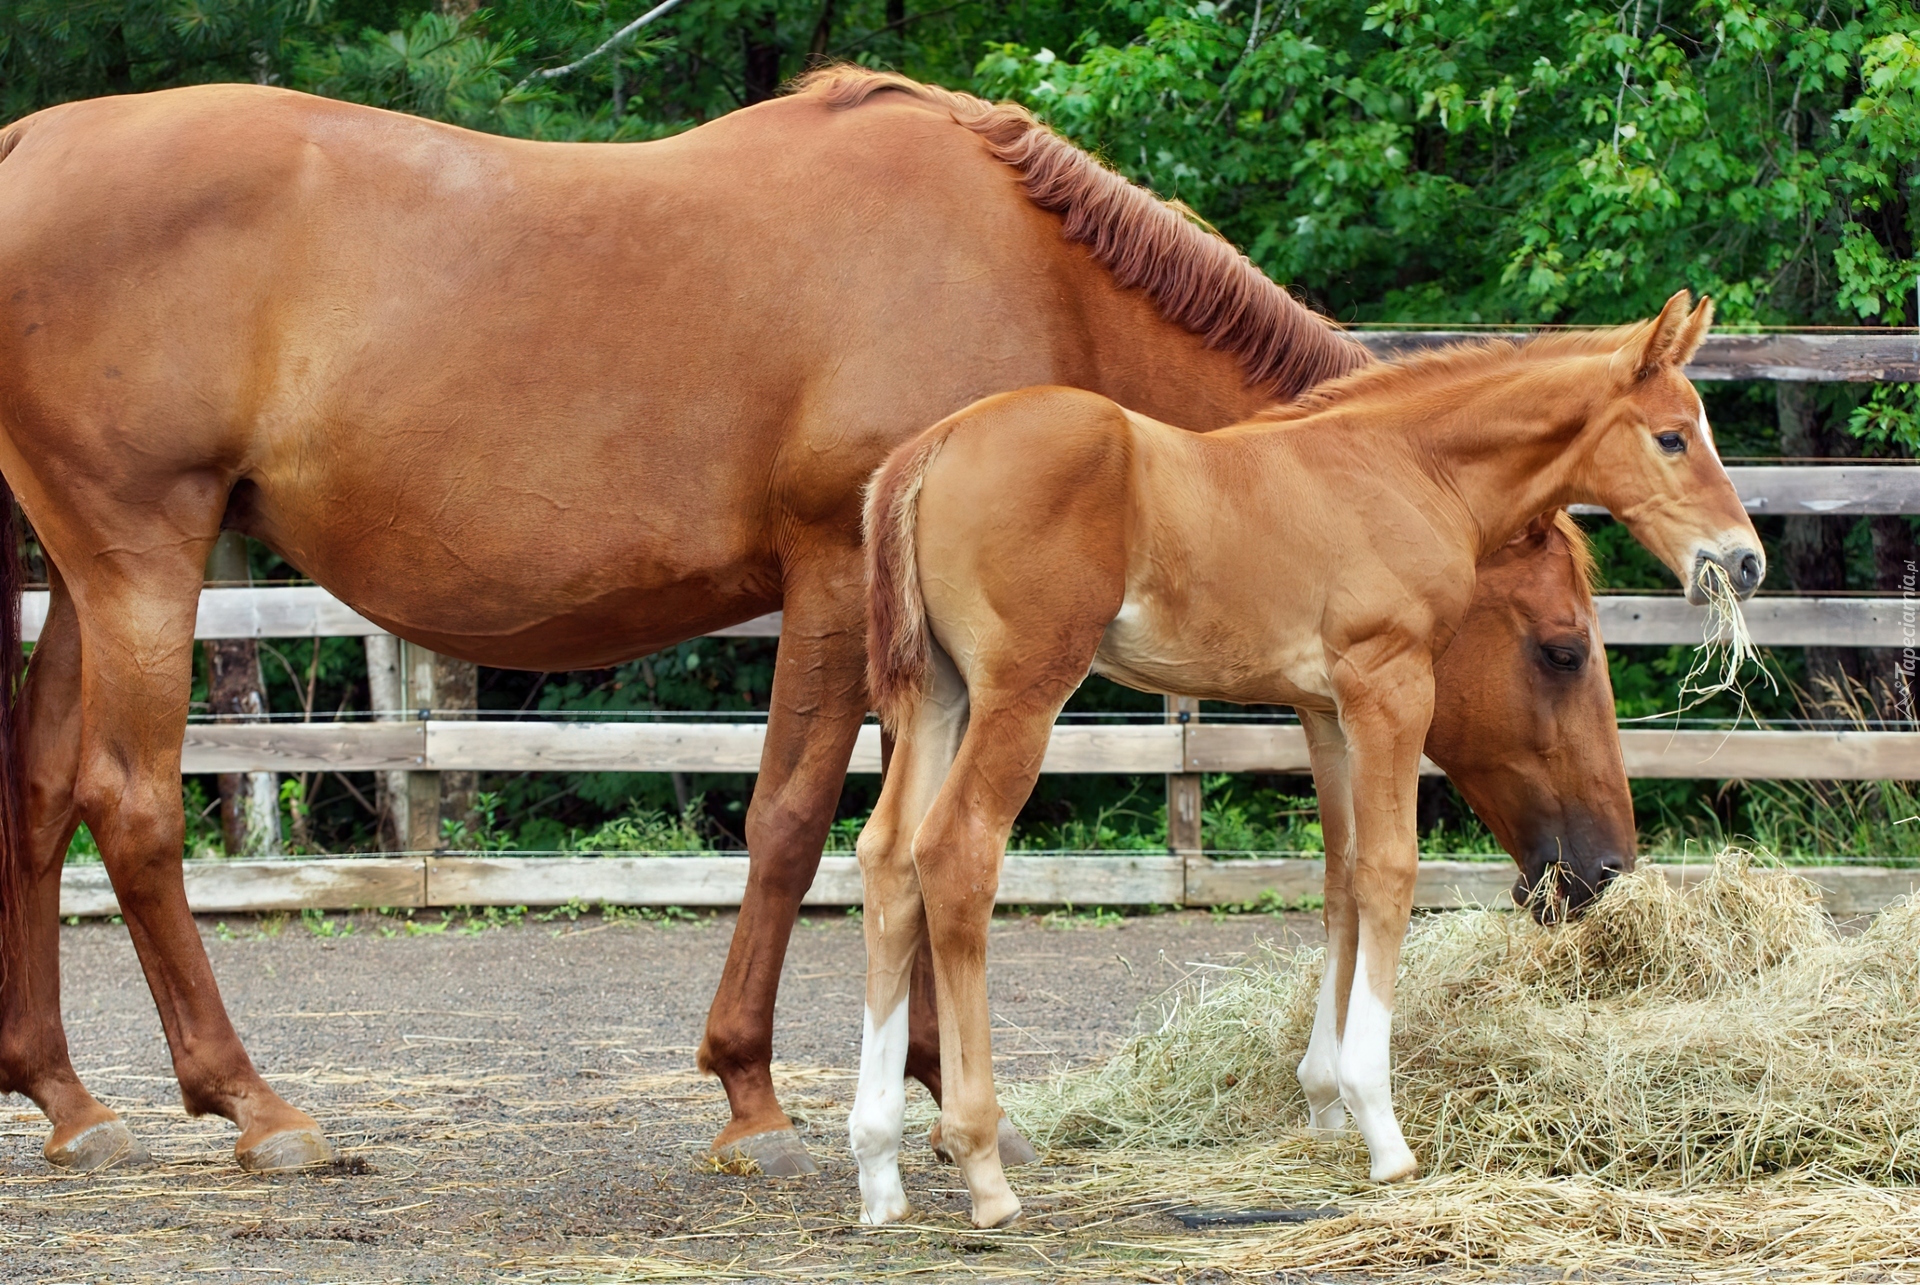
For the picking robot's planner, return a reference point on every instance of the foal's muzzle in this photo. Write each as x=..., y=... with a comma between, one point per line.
x=1744, y=569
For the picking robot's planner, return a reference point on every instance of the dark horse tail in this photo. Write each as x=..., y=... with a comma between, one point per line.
x=15, y=885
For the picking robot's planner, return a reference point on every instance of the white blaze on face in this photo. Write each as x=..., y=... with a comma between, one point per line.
x=1706, y=434
x=879, y=1114
x=1366, y=1077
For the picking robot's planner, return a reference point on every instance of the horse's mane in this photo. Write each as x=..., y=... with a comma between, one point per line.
x=1581, y=547
x=1405, y=376
x=1194, y=276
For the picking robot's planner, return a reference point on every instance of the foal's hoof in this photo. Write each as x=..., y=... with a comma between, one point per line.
x=776, y=1154
x=285, y=1152
x=103, y=1146
x=1014, y=1147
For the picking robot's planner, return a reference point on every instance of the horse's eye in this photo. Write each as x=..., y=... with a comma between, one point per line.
x=1565, y=659
x=1672, y=443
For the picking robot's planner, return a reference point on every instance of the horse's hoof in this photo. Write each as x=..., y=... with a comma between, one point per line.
x=776, y=1154
x=285, y=1152
x=1014, y=1147
x=106, y=1145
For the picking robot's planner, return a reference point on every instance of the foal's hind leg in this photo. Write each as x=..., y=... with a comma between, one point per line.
x=33, y=1046
x=136, y=668
x=895, y=926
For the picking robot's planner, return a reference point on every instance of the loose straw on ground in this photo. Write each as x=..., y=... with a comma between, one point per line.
x=1713, y=1079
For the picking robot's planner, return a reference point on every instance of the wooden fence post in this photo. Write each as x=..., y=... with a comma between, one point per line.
x=423, y=788
x=1183, y=789
x=387, y=692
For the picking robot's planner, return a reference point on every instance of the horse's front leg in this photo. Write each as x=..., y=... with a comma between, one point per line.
x=1319, y=1069
x=1384, y=711
x=819, y=699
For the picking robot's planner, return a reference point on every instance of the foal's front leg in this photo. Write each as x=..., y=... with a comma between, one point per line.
x=1384, y=715
x=1319, y=1070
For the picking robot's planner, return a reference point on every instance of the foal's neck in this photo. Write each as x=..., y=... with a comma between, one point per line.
x=1501, y=446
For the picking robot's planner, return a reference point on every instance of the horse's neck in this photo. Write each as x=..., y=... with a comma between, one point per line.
x=1158, y=368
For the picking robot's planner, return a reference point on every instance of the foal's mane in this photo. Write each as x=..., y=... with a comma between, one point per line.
x=1410, y=375
x=1418, y=372
x=1194, y=276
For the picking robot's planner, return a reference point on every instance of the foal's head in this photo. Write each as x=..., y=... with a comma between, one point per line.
x=1653, y=461
x=1523, y=719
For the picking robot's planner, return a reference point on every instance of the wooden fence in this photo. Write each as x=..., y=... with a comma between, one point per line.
x=441, y=880
x=1182, y=748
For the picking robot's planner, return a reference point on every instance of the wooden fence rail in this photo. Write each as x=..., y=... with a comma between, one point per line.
x=1810, y=357
x=1141, y=749
x=308, y=611
x=430, y=880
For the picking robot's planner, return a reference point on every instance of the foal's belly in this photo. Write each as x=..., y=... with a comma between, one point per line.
x=1247, y=662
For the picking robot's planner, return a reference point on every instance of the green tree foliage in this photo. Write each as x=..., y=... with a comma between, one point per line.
x=1469, y=161
x=1498, y=161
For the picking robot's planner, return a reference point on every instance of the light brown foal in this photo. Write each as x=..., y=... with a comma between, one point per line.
x=1320, y=556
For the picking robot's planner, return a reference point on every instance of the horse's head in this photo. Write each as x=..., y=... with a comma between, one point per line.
x=1523, y=719
x=1653, y=461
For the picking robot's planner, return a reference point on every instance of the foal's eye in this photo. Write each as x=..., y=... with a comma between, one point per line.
x=1671, y=443
x=1566, y=659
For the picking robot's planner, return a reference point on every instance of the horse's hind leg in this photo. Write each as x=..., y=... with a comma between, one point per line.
x=33, y=1046
x=895, y=927
x=136, y=670
x=819, y=700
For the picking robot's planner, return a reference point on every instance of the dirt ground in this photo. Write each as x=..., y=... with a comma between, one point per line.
x=519, y=1103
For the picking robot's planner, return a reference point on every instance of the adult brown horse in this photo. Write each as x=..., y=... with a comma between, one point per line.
x=532, y=405
x=1321, y=556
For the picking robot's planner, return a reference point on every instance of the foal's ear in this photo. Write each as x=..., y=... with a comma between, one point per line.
x=1662, y=345
x=1693, y=332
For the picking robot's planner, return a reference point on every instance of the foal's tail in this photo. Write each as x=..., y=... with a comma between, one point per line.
x=898, y=643
x=14, y=882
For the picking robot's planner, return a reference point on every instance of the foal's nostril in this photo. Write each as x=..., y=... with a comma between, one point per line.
x=1746, y=573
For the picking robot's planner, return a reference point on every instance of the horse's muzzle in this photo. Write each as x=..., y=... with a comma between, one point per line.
x=1564, y=888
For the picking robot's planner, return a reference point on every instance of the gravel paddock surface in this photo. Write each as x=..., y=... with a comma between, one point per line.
x=519, y=1103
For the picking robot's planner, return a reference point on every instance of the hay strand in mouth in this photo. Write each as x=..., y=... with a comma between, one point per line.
x=1726, y=650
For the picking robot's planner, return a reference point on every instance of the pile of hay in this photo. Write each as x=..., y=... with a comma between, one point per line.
x=1709, y=1075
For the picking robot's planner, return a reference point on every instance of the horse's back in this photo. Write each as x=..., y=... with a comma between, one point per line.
x=585, y=358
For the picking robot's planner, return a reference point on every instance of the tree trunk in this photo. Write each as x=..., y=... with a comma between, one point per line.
x=236, y=692
x=762, y=37
x=1896, y=572
x=456, y=694
x=1813, y=548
